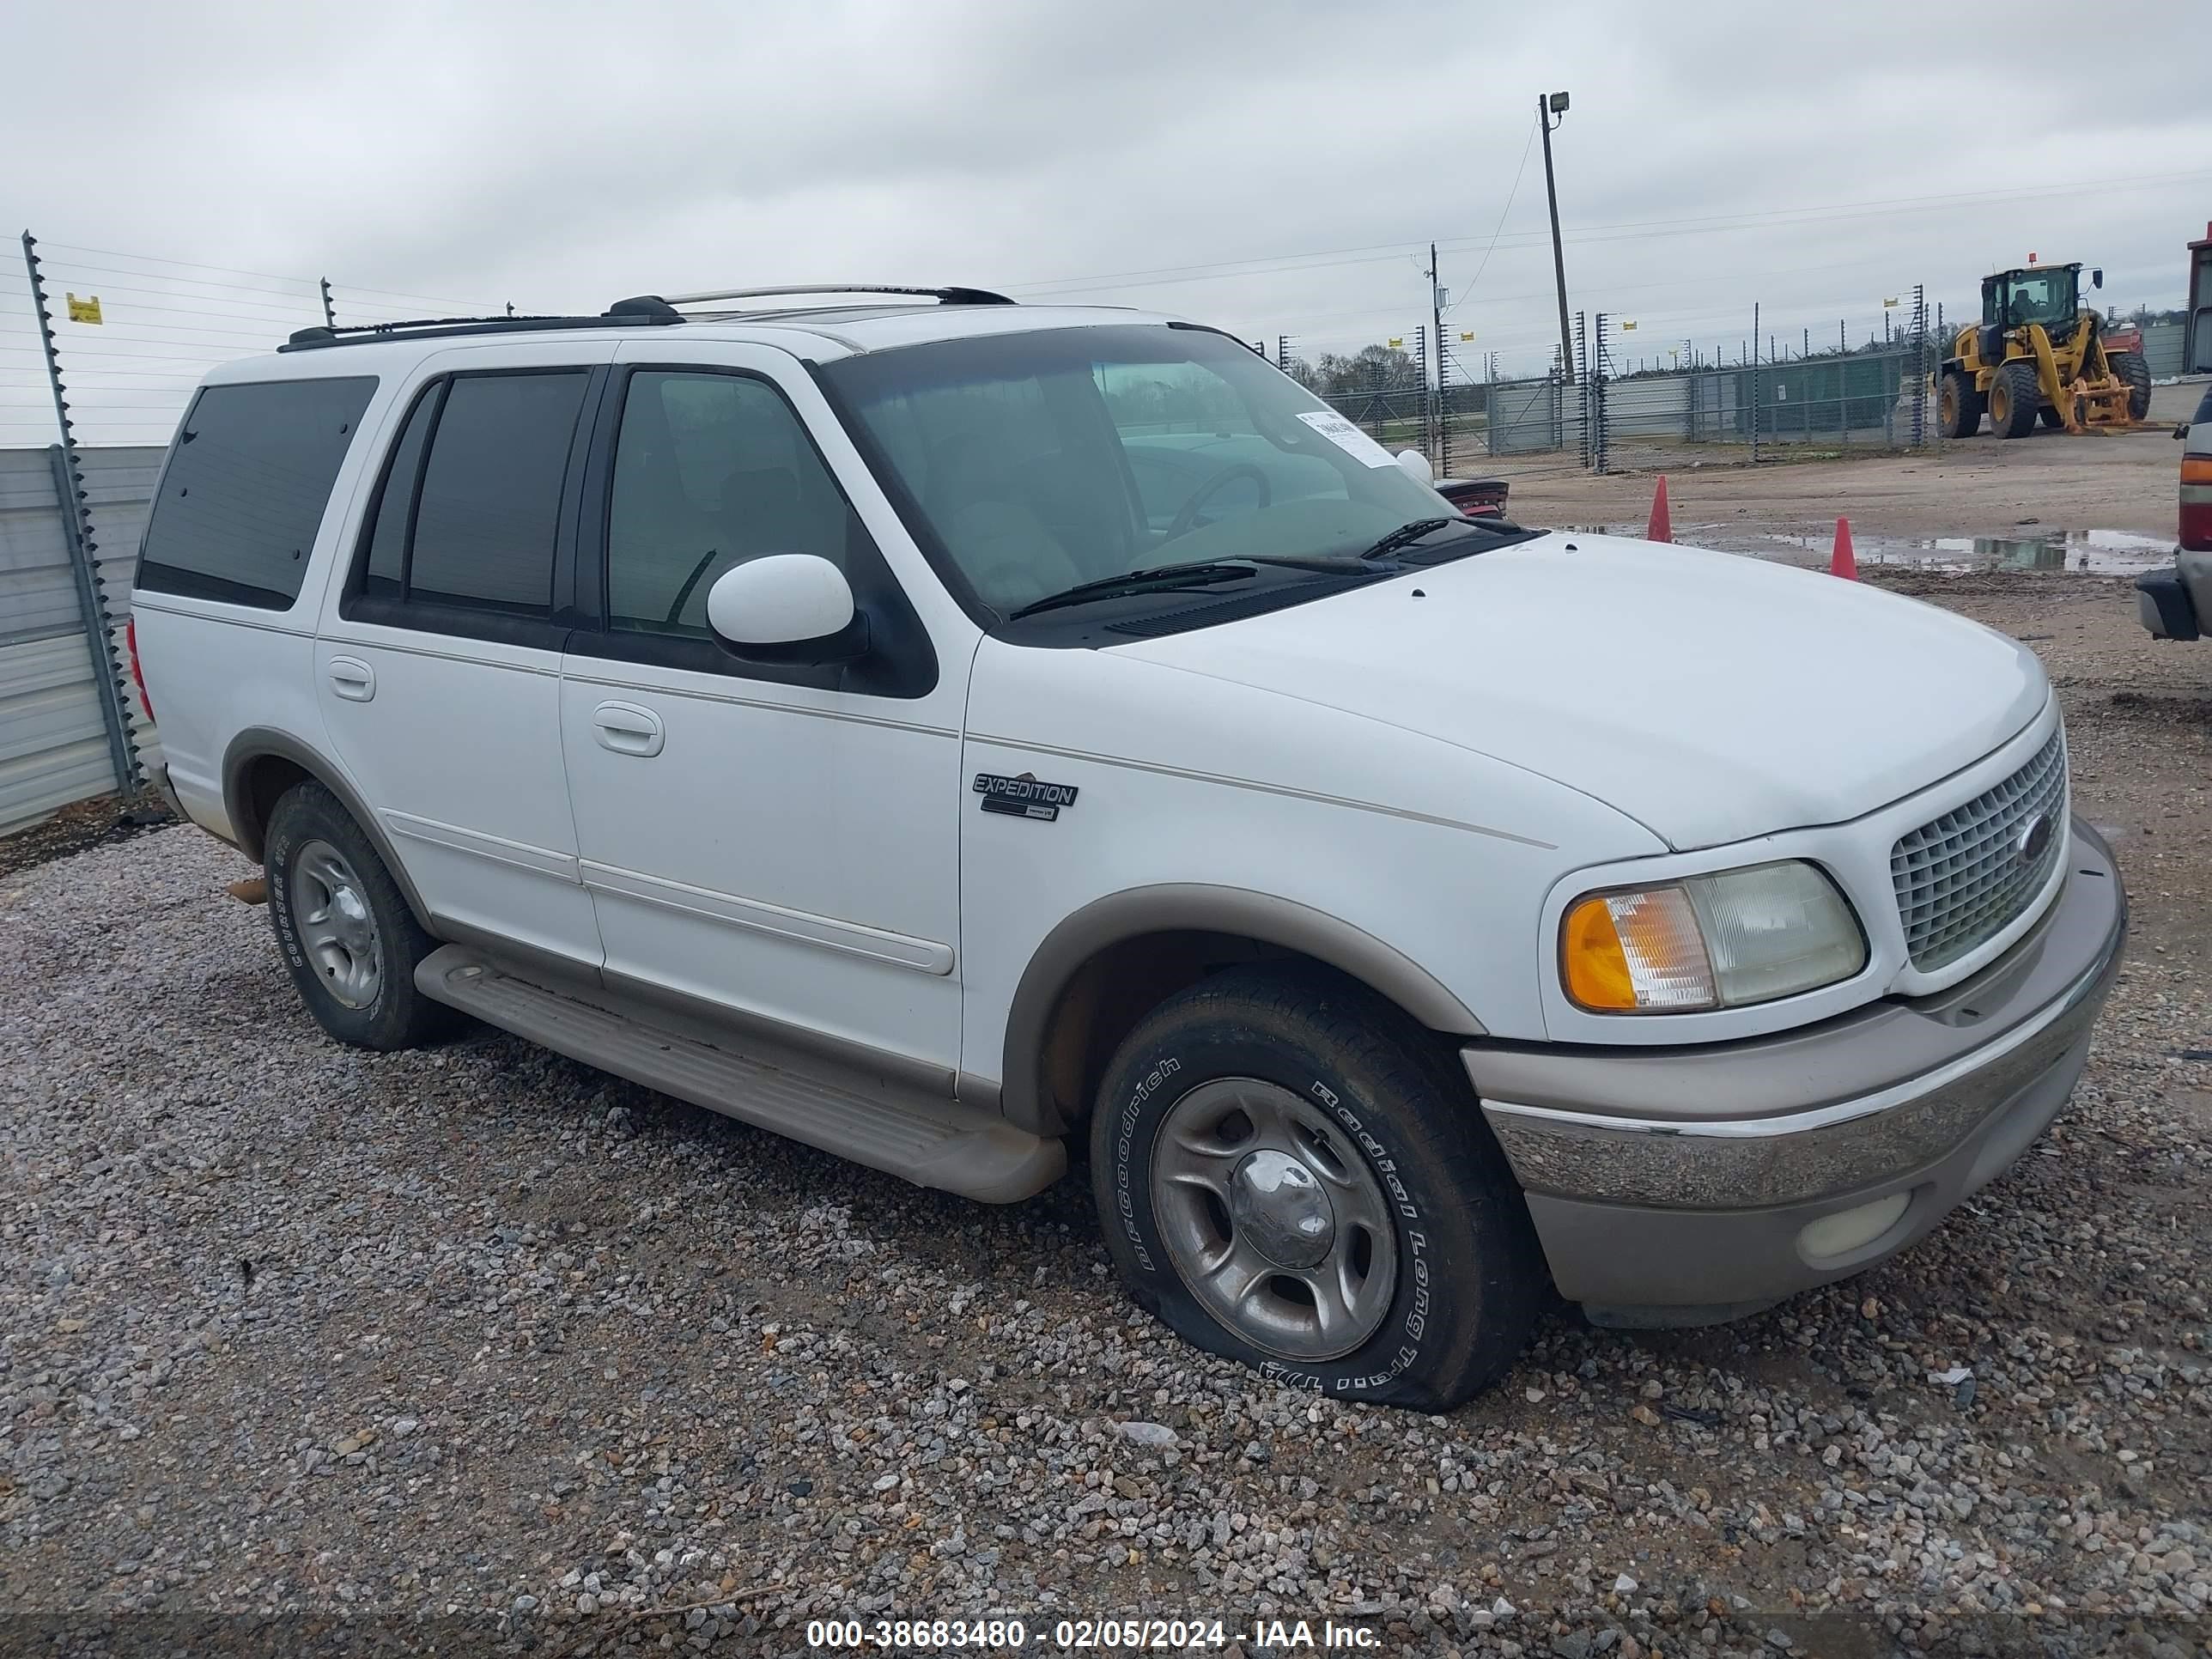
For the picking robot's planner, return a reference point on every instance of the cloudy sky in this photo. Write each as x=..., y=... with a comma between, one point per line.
x=1276, y=168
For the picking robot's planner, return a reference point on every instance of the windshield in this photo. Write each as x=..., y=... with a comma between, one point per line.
x=2044, y=296
x=1041, y=460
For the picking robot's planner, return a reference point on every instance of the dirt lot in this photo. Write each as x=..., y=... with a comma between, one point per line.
x=304, y=1350
x=1976, y=487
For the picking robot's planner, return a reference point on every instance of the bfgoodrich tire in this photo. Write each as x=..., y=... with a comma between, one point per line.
x=1290, y=1173
x=344, y=929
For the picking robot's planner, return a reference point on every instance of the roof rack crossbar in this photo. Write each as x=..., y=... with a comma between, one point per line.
x=434, y=328
x=950, y=296
x=639, y=310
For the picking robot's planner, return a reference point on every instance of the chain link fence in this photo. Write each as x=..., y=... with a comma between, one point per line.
x=1617, y=411
x=1620, y=411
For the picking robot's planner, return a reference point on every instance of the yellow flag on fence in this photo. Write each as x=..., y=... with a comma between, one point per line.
x=84, y=311
x=1397, y=342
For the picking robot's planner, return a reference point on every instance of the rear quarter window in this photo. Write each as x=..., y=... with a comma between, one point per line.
x=245, y=488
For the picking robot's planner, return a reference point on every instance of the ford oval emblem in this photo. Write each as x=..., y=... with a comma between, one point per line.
x=2034, y=838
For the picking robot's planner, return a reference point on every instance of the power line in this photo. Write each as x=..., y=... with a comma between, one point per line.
x=1499, y=227
x=272, y=275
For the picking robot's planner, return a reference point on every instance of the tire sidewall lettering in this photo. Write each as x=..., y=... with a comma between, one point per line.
x=280, y=904
x=1124, y=1133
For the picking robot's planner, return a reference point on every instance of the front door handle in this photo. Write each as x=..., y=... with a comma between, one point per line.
x=626, y=729
x=352, y=678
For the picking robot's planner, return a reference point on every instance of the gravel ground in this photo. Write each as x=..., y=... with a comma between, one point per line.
x=80, y=825
x=303, y=1349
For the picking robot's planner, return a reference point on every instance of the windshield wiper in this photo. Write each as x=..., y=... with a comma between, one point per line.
x=1201, y=574
x=1406, y=534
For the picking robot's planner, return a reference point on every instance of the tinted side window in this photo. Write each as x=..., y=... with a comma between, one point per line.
x=245, y=488
x=490, y=499
x=387, y=574
x=710, y=470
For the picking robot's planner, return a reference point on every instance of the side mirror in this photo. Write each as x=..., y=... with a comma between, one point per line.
x=2097, y=277
x=787, y=607
x=1416, y=466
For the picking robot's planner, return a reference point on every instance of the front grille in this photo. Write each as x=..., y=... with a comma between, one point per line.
x=1961, y=878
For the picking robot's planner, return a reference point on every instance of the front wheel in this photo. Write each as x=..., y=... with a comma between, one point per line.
x=1291, y=1174
x=2015, y=396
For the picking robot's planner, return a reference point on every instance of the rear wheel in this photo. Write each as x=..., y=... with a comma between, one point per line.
x=345, y=927
x=2013, y=398
x=1291, y=1174
x=2135, y=371
x=1958, y=405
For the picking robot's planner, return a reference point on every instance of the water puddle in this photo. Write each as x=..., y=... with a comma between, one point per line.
x=2081, y=552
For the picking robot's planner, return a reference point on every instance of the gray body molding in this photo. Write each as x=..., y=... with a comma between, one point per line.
x=260, y=742
x=1193, y=907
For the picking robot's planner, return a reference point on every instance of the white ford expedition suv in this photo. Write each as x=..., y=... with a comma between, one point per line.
x=944, y=730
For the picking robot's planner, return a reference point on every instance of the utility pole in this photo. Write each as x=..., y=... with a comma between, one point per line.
x=1548, y=105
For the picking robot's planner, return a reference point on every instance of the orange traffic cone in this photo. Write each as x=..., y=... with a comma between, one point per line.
x=1843, y=562
x=1661, y=526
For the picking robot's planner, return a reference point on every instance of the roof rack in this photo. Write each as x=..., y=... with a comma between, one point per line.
x=639, y=310
x=948, y=296
x=624, y=313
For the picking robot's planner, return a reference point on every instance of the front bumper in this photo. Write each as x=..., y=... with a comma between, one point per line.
x=1671, y=1186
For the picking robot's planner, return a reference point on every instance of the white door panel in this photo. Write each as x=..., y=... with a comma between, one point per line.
x=775, y=857
x=460, y=756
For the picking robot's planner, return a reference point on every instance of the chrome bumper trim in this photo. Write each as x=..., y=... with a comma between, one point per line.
x=1820, y=1117
x=1744, y=1162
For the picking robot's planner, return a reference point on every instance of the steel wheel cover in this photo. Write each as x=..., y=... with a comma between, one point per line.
x=335, y=927
x=1273, y=1219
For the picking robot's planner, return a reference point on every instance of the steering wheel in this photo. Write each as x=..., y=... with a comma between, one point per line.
x=1187, y=520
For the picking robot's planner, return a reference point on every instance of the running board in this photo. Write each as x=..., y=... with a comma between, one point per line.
x=902, y=1131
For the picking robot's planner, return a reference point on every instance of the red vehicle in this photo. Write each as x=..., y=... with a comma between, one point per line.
x=1476, y=497
x=2177, y=604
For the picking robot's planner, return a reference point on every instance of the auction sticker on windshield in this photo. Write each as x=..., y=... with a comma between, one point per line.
x=1347, y=437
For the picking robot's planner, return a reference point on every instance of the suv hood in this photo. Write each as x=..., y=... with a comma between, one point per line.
x=1711, y=696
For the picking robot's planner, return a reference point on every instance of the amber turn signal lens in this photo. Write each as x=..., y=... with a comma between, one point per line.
x=1596, y=967
x=1637, y=951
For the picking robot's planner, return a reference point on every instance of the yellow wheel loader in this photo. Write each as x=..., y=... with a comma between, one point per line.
x=2040, y=354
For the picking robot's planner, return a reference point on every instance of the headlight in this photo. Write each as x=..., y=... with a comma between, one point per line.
x=1717, y=941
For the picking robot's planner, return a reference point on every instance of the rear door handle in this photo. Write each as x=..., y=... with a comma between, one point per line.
x=626, y=729
x=352, y=678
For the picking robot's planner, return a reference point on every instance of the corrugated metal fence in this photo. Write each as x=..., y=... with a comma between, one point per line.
x=61, y=724
x=2162, y=345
